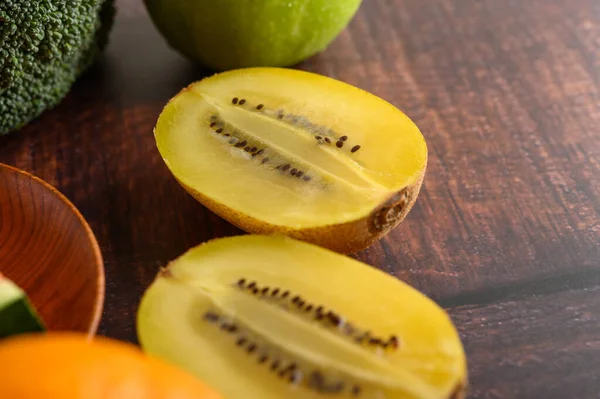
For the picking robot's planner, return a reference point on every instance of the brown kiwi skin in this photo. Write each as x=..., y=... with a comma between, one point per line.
x=346, y=238
x=460, y=392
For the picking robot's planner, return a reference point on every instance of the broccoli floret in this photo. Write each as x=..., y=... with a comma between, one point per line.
x=45, y=45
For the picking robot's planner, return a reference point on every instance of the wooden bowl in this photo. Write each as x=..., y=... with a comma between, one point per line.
x=49, y=250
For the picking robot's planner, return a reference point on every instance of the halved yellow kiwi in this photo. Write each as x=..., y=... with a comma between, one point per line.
x=261, y=317
x=285, y=151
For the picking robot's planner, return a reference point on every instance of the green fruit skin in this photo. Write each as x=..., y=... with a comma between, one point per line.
x=231, y=34
x=19, y=318
x=17, y=314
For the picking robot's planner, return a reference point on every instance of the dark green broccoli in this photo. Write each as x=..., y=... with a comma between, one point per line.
x=45, y=45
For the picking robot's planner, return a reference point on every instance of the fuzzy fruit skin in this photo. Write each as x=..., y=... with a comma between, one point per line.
x=344, y=238
x=68, y=366
x=229, y=34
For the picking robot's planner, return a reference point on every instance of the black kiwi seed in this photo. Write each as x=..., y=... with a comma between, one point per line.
x=265, y=160
x=275, y=292
x=319, y=310
x=289, y=369
x=393, y=341
x=295, y=299
x=355, y=148
x=260, y=152
x=343, y=138
x=259, y=107
x=247, y=149
x=307, y=178
x=210, y=316
x=219, y=130
x=308, y=308
x=327, y=140
x=285, y=167
x=275, y=365
x=251, y=348
x=375, y=341
x=293, y=171
x=280, y=116
x=334, y=318
x=242, y=101
x=263, y=358
x=285, y=294
x=232, y=328
x=241, y=341
x=318, y=137
x=299, y=173
x=243, y=143
x=252, y=285
x=235, y=100
x=213, y=124
x=226, y=135
x=255, y=290
x=265, y=291
x=339, y=144
x=253, y=149
x=241, y=282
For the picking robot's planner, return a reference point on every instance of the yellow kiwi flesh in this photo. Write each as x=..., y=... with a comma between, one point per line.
x=260, y=317
x=281, y=150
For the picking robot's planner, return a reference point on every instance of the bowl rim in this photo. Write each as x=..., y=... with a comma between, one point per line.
x=99, y=261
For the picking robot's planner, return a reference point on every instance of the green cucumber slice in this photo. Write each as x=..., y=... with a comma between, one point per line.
x=17, y=314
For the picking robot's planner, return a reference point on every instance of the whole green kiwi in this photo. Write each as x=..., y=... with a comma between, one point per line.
x=230, y=34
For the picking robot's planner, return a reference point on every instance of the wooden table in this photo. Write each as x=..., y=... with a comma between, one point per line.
x=506, y=231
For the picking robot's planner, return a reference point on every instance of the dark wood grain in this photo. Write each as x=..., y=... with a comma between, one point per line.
x=48, y=249
x=506, y=231
x=543, y=346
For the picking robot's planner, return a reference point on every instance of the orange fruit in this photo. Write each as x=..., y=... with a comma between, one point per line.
x=69, y=366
